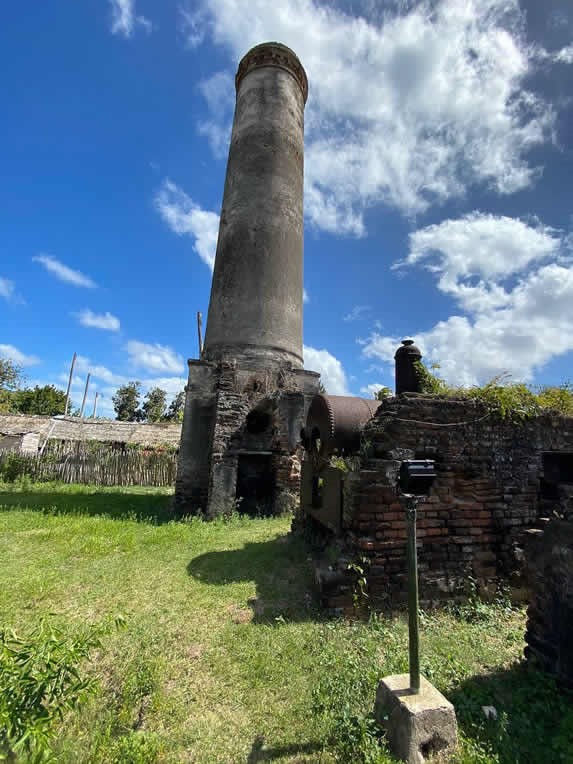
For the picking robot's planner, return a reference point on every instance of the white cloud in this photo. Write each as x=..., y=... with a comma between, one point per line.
x=219, y=92
x=93, y=320
x=332, y=373
x=305, y=296
x=20, y=358
x=516, y=308
x=192, y=24
x=357, y=312
x=63, y=272
x=124, y=19
x=184, y=216
x=475, y=254
x=154, y=357
x=372, y=389
x=7, y=289
x=85, y=365
x=411, y=106
x=564, y=56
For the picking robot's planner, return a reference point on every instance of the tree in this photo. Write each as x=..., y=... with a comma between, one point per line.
x=45, y=401
x=10, y=380
x=126, y=402
x=176, y=408
x=383, y=393
x=321, y=388
x=153, y=408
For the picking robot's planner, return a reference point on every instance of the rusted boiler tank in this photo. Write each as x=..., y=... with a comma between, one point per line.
x=332, y=433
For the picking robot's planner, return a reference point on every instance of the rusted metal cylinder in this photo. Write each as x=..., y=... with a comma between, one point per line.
x=407, y=376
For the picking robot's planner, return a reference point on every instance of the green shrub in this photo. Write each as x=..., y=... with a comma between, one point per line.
x=134, y=748
x=13, y=465
x=40, y=681
x=513, y=401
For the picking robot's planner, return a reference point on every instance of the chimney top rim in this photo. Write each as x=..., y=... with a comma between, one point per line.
x=273, y=54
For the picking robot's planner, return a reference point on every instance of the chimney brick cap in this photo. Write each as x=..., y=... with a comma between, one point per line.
x=273, y=54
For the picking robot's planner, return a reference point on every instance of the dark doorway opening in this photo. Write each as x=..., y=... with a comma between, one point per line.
x=557, y=470
x=255, y=484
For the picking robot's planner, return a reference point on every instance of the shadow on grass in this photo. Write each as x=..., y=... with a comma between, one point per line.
x=261, y=752
x=144, y=507
x=534, y=721
x=281, y=570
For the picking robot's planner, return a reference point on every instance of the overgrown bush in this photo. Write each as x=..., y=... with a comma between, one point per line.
x=40, y=681
x=13, y=465
x=509, y=400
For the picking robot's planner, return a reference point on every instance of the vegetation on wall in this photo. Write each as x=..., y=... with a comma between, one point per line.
x=503, y=397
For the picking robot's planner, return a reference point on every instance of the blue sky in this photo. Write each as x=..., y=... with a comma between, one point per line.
x=438, y=169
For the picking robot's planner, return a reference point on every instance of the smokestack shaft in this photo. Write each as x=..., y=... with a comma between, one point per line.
x=255, y=310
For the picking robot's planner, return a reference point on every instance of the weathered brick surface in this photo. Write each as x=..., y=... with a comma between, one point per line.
x=487, y=493
x=234, y=392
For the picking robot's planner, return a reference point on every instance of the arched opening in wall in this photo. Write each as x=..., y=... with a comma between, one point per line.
x=255, y=484
x=258, y=421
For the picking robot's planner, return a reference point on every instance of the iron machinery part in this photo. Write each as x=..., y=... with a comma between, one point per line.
x=334, y=424
x=416, y=476
x=407, y=377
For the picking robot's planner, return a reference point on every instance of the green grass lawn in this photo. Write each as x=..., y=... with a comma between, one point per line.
x=224, y=657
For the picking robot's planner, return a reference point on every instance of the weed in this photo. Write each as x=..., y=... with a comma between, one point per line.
x=360, y=569
x=134, y=748
x=39, y=683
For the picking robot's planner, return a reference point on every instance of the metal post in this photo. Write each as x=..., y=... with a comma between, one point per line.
x=412, y=557
x=95, y=405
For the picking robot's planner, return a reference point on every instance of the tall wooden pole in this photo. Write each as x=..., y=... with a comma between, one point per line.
x=85, y=396
x=95, y=406
x=70, y=384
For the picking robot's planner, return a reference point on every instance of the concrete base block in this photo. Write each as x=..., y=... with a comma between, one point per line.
x=416, y=726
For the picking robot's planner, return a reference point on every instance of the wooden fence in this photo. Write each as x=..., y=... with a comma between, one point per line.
x=97, y=465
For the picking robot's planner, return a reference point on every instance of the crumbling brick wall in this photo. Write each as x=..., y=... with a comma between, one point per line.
x=487, y=492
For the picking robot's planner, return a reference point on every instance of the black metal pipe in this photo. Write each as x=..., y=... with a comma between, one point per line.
x=413, y=630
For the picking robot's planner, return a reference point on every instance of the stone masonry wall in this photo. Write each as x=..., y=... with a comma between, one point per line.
x=487, y=492
x=73, y=428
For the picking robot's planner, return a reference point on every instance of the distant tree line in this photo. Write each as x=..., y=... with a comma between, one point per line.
x=129, y=407
x=48, y=400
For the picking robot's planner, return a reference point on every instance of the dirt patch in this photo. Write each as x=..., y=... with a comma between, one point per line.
x=194, y=651
x=240, y=614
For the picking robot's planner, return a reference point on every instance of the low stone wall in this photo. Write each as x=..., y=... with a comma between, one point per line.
x=73, y=428
x=487, y=493
x=549, y=564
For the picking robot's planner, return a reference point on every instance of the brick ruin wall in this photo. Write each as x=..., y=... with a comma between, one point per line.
x=73, y=428
x=487, y=493
x=229, y=395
